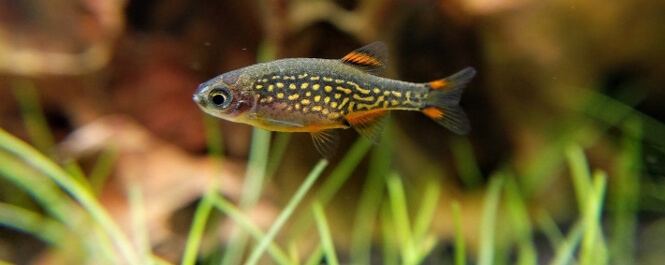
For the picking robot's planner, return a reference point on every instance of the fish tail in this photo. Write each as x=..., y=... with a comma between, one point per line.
x=442, y=104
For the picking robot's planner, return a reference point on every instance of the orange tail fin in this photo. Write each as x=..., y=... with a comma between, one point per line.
x=443, y=101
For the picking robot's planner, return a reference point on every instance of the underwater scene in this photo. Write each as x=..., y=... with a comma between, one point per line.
x=332, y=132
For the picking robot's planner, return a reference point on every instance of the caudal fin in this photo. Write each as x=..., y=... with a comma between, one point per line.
x=443, y=101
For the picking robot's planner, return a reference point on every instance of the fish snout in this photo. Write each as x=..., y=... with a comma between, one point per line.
x=199, y=95
x=200, y=100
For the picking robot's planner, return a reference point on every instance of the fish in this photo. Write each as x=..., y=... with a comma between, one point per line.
x=318, y=96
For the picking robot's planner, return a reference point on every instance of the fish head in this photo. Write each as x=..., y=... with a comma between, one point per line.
x=226, y=96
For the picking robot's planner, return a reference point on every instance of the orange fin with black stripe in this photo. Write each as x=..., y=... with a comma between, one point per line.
x=443, y=101
x=369, y=123
x=371, y=58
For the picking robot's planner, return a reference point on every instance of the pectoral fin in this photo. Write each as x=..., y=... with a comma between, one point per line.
x=279, y=123
x=369, y=124
x=326, y=142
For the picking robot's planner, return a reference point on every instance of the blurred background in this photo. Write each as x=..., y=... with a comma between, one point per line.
x=119, y=75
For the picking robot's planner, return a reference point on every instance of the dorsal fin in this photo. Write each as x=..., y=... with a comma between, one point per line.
x=371, y=58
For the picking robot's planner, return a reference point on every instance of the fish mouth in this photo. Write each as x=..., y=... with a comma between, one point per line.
x=199, y=97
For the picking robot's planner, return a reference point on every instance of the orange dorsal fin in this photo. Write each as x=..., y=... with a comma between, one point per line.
x=369, y=124
x=371, y=58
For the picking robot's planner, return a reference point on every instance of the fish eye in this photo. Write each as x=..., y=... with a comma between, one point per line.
x=220, y=97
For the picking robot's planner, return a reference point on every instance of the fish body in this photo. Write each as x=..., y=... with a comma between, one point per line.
x=318, y=95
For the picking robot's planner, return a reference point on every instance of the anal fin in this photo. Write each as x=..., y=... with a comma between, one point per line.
x=369, y=124
x=326, y=142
